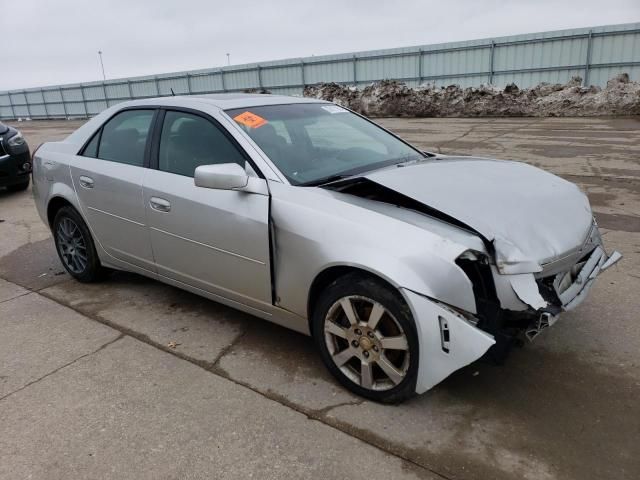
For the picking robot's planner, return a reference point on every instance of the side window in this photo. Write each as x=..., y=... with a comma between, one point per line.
x=91, y=150
x=124, y=137
x=189, y=141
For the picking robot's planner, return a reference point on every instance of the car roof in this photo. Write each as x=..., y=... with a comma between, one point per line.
x=223, y=101
x=226, y=101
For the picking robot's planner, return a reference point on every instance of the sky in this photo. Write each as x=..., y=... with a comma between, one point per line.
x=57, y=42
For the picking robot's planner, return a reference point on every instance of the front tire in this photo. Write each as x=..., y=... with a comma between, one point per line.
x=367, y=338
x=75, y=246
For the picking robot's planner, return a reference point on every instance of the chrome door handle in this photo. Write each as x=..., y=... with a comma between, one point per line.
x=160, y=204
x=86, y=182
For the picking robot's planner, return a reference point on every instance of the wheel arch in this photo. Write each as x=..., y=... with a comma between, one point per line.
x=330, y=274
x=438, y=279
x=54, y=206
x=59, y=196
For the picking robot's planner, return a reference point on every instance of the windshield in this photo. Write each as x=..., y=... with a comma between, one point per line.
x=312, y=143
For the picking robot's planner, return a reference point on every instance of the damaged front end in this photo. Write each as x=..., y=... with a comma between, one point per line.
x=567, y=289
x=530, y=250
x=543, y=249
x=513, y=306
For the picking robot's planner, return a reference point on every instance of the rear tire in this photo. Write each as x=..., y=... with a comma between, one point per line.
x=19, y=187
x=75, y=246
x=367, y=338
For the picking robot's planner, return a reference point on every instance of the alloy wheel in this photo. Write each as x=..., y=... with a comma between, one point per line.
x=366, y=343
x=72, y=245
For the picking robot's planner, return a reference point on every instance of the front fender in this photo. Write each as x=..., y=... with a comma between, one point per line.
x=430, y=276
x=314, y=232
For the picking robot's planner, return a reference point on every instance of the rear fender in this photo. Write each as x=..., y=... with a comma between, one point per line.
x=60, y=190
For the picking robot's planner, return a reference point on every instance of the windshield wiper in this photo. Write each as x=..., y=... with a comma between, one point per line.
x=325, y=180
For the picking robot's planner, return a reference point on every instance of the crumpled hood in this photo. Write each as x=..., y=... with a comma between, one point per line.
x=531, y=216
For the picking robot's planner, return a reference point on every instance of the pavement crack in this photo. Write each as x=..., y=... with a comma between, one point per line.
x=130, y=332
x=508, y=132
x=34, y=290
x=466, y=133
x=213, y=368
x=17, y=296
x=324, y=411
x=33, y=382
x=215, y=364
x=368, y=438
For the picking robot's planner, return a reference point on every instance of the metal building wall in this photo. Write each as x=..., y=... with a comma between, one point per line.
x=596, y=54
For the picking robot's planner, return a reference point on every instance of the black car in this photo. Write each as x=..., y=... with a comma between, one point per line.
x=15, y=161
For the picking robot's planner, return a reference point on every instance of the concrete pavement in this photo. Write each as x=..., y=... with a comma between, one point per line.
x=83, y=400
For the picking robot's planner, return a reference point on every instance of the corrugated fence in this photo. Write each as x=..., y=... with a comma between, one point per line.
x=596, y=54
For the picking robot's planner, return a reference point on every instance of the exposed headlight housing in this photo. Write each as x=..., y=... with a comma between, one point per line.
x=473, y=256
x=16, y=141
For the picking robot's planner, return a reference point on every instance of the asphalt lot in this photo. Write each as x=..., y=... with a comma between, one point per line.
x=131, y=378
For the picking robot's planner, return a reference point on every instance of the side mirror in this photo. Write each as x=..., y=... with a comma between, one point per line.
x=223, y=176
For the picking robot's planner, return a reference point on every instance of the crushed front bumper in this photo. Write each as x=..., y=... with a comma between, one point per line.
x=449, y=340
x=572, y=286
x=562, y=291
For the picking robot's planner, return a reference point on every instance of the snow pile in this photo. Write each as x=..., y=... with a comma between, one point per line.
x=389, y=98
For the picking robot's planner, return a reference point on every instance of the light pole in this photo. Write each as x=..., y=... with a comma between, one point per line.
x=228, y=59
x=104, y=77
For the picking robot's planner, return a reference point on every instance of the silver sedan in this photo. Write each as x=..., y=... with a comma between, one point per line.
x=403, y=265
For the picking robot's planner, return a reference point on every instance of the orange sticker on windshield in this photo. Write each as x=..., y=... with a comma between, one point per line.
x=251, y=120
